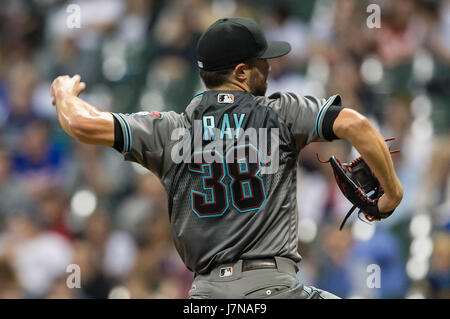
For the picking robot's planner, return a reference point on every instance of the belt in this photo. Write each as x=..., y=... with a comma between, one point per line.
x=253, y=264
x=283, y=264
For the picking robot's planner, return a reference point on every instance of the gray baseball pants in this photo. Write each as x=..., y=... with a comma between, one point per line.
x=229, y=281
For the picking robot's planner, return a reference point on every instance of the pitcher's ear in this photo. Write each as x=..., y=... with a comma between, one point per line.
x=241, y=72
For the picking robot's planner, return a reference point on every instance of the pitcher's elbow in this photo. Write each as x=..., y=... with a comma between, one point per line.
x=399, y=193
x=350, y=124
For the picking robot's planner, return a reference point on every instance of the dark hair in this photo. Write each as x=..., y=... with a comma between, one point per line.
x=214, y=79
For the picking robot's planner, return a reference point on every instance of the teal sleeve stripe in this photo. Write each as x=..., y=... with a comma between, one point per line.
x=126, y=126
x=198, y=94
x=321, y=114
x=130, y=141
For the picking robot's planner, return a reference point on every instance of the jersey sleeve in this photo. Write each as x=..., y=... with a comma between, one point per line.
x=144, y=137
x=309, y=119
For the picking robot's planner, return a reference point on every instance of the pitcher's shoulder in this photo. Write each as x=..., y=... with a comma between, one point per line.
x=280, y=102
x=279, y=99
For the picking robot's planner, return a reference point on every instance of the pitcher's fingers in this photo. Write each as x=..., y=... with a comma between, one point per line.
x=82, y=86
x=77, y=78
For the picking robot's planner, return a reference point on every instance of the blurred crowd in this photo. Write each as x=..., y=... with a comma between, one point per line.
x=62, y=202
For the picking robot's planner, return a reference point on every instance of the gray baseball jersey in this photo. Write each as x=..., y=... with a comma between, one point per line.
x=228, y=164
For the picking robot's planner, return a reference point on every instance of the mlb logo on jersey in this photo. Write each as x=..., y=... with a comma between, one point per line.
x=225, y=98
x=225, y=272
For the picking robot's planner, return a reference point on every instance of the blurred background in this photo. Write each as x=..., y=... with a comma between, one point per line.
x=62, y=202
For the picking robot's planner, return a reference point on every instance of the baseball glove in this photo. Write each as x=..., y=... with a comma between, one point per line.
x=360, y=186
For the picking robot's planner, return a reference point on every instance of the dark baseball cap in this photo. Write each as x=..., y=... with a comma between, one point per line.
x=230, y=41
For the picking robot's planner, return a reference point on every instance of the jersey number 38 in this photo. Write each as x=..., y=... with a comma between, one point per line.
x=246, y=190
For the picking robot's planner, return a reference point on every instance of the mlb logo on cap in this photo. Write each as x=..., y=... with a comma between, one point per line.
x=225, y=98
x=226, y=272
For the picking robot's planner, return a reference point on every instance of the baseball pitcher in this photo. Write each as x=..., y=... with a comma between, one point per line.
x=228, y=163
